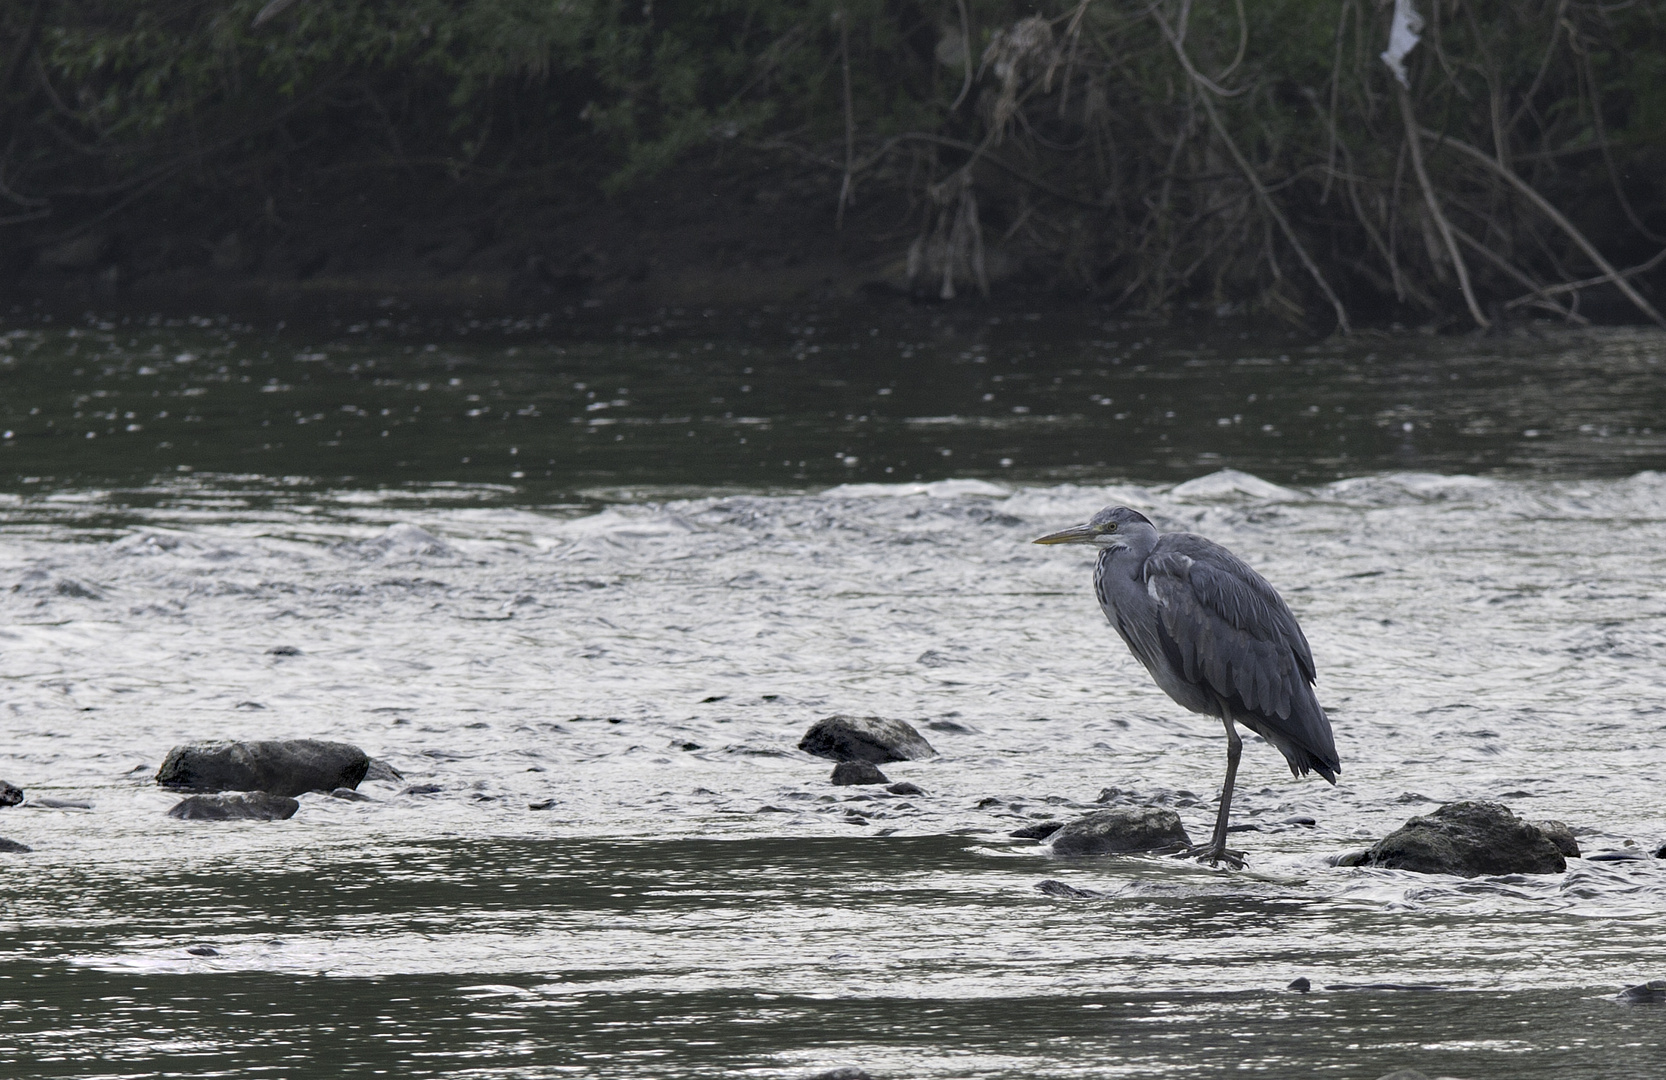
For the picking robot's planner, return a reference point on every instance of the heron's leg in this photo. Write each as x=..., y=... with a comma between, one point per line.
x=1234, y=749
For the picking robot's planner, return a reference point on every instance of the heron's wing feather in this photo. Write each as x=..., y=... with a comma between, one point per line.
x=1226, y=633
x=1223, y=627
x=1231, y=588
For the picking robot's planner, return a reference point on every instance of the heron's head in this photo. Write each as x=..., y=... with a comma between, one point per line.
x=1112, y=527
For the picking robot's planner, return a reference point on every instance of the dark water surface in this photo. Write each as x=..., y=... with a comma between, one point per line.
x=591, y=586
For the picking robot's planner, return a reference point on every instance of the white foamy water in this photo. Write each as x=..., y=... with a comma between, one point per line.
x=648, y=669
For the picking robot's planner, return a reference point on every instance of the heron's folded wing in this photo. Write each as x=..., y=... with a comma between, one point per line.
x=1226, y=634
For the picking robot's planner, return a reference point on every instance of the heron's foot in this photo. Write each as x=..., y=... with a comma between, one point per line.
x=1214, y=855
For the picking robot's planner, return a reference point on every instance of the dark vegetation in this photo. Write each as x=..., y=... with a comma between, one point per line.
x=1226, y=155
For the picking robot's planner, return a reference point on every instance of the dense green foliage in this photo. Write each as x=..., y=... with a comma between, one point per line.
x=1213, y=152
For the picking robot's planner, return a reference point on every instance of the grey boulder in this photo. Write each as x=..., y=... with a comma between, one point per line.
x=873, y=739
x=10, y=794
x=249, y=806
x=13, y=846
x=1468, y=839
x=852, y=773
x=278, y=766
x=1119, y=830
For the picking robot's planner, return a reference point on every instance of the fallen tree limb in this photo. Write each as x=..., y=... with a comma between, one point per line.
x=1433, y=203
x=1609, y=274
x=1204, y=88
x=1575, y=286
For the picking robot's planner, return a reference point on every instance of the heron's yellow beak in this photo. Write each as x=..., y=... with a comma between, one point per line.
x=1076, y=534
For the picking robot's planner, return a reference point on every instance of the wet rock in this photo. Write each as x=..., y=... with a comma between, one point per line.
x=10, y=794
x=1301, y=985
x=1623, y=855
x=1660, y=852
x=1121, y=829
x=849, y=1072
x=1041, y=830
x=423, y=789
x=203, y=950
x=541, y=804
x=61, y=804
x=243, y=806
x=348, y=795
x=277, y=767
x=1558, y=833
x=1468, y=839
x=852, y=773
x=1356, y=857
x=904, y=788
x=14, y=846
x=1050, y=887
x=283, y=650
x=1652, y=992
x=874, y=739
x=381, y=770
x=1303, y=820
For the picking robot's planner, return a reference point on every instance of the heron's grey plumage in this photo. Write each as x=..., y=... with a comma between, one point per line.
x=1214, y=635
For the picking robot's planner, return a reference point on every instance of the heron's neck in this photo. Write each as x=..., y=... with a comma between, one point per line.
x=1129, y=558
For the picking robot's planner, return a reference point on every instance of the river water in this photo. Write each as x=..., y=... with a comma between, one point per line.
x=585, y=586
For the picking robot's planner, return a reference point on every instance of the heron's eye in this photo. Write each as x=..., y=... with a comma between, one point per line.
x=1109, y=527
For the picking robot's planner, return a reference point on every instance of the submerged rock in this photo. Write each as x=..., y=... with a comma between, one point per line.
x=10, y=794
x=381, y=770
x=14, y=846
x=277, y=766
x=874, y=739
x=1052, y=887
x=1301, y=985
x=852, y=773
x=1652, y=992
x=1121, y=829
x=1041, y=830
x=904, y=788
x=244, y=806
x=1469, y=839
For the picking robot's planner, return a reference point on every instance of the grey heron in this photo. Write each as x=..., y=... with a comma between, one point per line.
x=1215, y=636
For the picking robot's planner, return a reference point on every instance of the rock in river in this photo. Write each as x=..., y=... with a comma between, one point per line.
x=277, y=767
x=1469, y=839
x=873, y=739
x=13, y=845
x=250, y=806
x=10, y=794
x=851, y=773
x=1121, y=829
x=1652, y=992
